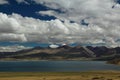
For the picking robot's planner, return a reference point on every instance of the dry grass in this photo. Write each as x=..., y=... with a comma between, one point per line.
x=106, y=75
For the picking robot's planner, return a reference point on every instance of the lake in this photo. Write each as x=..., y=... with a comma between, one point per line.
x=55, y=66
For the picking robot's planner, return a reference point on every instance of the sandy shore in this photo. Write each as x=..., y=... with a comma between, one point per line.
x=101, y=75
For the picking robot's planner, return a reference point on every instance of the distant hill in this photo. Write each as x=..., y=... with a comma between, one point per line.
x=63, y=52
x=115, y=61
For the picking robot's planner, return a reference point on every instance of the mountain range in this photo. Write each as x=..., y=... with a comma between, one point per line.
x=63, y=52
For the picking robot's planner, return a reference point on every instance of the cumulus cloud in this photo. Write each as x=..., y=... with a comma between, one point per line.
x=17, y=28
x=103, y=23
x=99, y=15
x=76, y=10
x=3, y=2
x=25, y=29
x=12, y=37
x=7, y=24
x=13, y=48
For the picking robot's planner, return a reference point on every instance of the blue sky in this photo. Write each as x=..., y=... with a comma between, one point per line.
x=25, y=9
x=41, y=22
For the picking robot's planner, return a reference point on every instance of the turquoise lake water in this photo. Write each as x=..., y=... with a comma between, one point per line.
x=55, y=66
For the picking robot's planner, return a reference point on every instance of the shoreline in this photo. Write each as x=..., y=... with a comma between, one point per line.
x=52, y=60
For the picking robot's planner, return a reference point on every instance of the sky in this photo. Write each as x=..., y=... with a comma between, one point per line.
x=84, y=22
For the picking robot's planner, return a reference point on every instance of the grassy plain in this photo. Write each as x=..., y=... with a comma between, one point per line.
x=94, y=75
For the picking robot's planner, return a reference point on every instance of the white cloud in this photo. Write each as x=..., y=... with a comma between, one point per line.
x=12, y=37
x=13, y=48
x=104, y=23
x=102, y=18
x=76, y=10
x=3, y=2
x=7, y=24
x=17, y=28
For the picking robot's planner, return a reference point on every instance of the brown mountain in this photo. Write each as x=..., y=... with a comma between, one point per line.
x=115, y=61
x=64, y=52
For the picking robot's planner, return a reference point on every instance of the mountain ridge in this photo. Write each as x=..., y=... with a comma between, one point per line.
x=64, y=52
